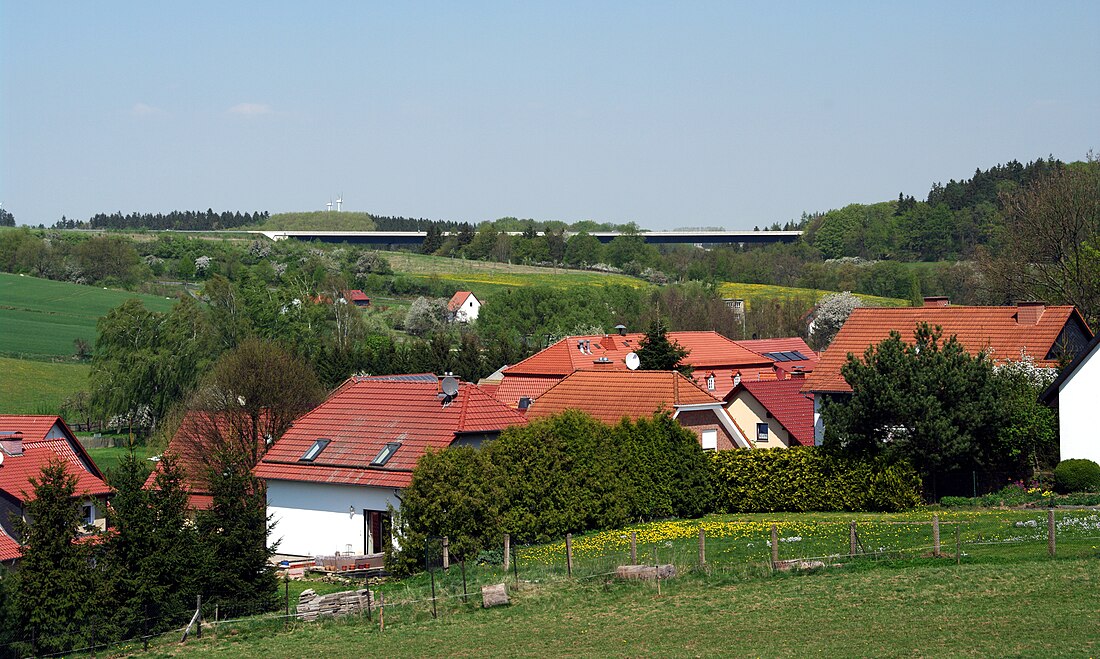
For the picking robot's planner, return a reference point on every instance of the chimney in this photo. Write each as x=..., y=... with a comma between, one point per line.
x=1029, y=312
x=797, y=372
x=11, y=442
x=937, y=301
x=621, y=329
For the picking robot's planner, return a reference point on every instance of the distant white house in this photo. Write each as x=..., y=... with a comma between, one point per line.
x=1075, y=393
x=464, y=306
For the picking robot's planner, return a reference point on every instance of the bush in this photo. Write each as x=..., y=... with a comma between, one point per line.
x=808, y=479
x=1077, y=475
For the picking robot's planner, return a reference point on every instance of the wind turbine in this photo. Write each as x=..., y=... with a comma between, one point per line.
x=339, y=202
x=328, y=206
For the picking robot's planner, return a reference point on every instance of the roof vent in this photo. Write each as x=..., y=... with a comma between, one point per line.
x=601, y=361
x=937, y=301
x=621, y=329
x=524, y=403
x=1029, y=312
x=11, y=442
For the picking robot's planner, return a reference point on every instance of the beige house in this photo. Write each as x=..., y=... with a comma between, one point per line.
x=772, y=413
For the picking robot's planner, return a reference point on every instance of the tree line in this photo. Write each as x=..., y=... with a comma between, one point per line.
x=207, y=220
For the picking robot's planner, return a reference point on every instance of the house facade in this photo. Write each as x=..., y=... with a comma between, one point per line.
x=334, y=477
x=1076, y=394
x=1045, y=334
x=465, y=306
x=27, y=444
x=610, y=396
x=773, y=413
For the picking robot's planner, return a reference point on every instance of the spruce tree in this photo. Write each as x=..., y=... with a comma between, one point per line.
x=657, y=353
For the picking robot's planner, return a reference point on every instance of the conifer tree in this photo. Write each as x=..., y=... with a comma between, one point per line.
x=658, y=353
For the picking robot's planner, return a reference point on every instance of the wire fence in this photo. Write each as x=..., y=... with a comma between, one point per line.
x=723, y=547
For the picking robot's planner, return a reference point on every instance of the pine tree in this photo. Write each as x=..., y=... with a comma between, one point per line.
x=658, y=353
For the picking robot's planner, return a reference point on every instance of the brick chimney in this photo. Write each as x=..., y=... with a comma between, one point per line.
x=1029, y=312
x=937, y=301
x=11, y=443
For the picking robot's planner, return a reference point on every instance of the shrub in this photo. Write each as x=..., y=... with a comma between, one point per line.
x=808, y=479
x=1077, y=475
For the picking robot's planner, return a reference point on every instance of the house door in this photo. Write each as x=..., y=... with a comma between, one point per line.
x=376, y=531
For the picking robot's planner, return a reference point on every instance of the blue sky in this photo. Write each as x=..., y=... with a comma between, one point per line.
x=667, y=114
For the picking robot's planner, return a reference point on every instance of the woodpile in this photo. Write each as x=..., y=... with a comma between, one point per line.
x=646, y=572
x=495, y=595
x=349, y=602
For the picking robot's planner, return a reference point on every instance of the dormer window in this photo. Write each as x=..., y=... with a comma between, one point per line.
x=315, y=450
x=710, y=382
x=385, y=454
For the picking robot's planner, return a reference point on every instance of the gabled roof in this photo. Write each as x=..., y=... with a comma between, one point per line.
x=784, y=353
x=784, y=400
x=458, y=299
x=46, y=438
x=9, y=548
x=356, y=295
x=996, y=329
x=706, y=350
x=365, y=414
x=1050, y=394
x=610, y=395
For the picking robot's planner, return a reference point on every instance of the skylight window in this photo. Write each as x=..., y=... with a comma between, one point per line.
x=385, y=454
x=315, y=450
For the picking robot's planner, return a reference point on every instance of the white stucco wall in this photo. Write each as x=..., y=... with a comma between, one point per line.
x=819, y=423
x=313, y=519
x=1079, y=411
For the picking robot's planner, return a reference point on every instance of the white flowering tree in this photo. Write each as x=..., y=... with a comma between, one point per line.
x=827, y=319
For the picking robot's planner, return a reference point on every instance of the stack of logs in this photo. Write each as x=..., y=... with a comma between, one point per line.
x=349, y=602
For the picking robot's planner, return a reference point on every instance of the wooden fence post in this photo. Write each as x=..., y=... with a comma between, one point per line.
x=852, y=544
x=446, y=553
x=936, y=535
x=958, y=544
x=507, y=550
x=775, y=546
x=1050, y=532
x=702, y=546
x=633, y=547
x=569, y=554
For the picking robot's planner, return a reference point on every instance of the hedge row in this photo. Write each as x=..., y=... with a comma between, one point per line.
x=808, y=479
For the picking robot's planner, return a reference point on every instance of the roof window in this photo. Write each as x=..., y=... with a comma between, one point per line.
x=315, y=450
x=786, y=356
x=385, y=454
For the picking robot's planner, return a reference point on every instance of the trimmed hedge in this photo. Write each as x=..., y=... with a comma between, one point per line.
x=1076, y=475
x=808, y=479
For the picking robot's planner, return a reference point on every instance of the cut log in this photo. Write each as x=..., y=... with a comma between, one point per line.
x=495, y=595
x=646, y=572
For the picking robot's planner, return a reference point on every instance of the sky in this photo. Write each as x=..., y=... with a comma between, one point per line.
x=668, y=114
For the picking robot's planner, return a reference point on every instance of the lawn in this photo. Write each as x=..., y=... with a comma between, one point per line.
x=109, y=458
x=40, y=318
x=749, y=292
x=36, y=387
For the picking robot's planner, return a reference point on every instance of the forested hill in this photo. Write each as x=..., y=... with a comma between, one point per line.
x=207, y=220
x=951, y=223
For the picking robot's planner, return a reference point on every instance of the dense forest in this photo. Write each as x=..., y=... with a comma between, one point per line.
x=207, y=220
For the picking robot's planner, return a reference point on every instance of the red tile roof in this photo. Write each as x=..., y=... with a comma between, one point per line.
x=611, y=395
x=39, y=449
x=978, y=328
x=787, y=404
x=764, y=347
x=9, y=548
x=356, y=295
x=514, y=387
x=458, y=299
x=365, y=414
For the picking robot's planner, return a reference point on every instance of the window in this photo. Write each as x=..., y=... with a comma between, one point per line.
x=761, y=432
x=710, y=382
x=315, y=450
x=87, y=514
x=385, y=454
x=709, y=439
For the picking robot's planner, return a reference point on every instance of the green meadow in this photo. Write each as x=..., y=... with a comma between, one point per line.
x=38, y=387
x=810, y=296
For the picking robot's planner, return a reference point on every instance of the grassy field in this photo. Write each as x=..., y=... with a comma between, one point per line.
x=108, y=458
x=36, y=387
x=1004, y=597
x=319, y=221
x=40, y=318
x=748, y=292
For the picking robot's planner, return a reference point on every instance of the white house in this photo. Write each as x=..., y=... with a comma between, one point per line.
x=464, y=306
x=1075, y=394
x=335, y=475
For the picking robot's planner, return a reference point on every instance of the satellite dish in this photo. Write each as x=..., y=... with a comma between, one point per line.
x=632, y=361
x=449, y=386
x=1, y=457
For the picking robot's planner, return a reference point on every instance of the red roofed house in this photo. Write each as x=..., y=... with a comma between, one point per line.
x=715, y=359
x=333, y=476
x=609, y=396
x=465, y=306
x=356, y=297
x=1044, y=333
x=773, y=413
x=28, y=443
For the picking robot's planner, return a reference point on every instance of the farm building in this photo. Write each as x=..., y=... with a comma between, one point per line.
x=27, y=444
x=1043, y=333
x=610, y=396
x=465, y=306
x=335, y=475
x=356, y=297
x=1075, y=393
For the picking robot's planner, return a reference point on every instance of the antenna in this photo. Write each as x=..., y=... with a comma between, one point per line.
x=449, y=386
x=339, y=202
x=632, y=361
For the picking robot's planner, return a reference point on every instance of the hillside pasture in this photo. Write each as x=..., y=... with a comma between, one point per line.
x=38, y=387
x=40, y=318
x=809, y=296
